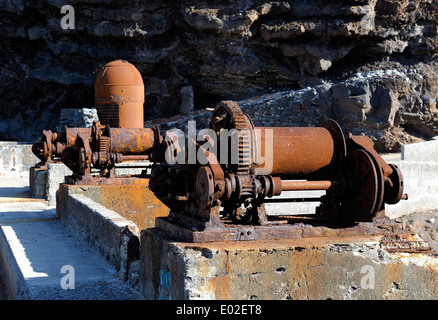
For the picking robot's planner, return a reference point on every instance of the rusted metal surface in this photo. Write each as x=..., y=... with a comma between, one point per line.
x=209, y=200
x=203, y=196
x=119, y=95
x=296, y=228
x=131, y=141
x=71, y=134
x=404, y=242
x=298, y=152
x=99, y=147
x=293, y=185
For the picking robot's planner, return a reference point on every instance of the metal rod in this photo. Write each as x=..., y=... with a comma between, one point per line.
x=292, y=185
x=135, y=157
x=279, y=200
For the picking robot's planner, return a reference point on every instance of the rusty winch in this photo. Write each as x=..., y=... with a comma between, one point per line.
x=228, y=174
x=213, y=192
x=119, y=98
x=99, y=148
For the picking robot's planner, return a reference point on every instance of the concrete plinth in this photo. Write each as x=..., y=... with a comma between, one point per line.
x=110, y=216
x=130, y=198
x=37, y=182
x=44, y=181
x=310, y=268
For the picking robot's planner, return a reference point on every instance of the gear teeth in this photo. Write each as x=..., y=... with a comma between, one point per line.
x=104, y=148
x=240, y=122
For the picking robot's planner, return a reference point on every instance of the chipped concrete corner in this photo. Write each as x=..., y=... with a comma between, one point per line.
x=347, y=268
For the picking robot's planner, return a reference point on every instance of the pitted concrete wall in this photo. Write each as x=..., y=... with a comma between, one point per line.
x=423, y=151
x=318, y=268
x=14, y=281
x=419, y=167
x=15, y=159
x=132, y=200
x=56, y=173
x=115, y=237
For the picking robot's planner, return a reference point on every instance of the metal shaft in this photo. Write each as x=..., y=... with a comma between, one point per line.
x=290, y=185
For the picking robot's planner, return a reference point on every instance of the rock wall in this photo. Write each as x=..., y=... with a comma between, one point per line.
x=372, y=62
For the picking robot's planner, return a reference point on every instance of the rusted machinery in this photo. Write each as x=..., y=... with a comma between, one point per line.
x=211, y=197
x=99, y=148
x=119, y=98
x=224, y=179
x=119, y=95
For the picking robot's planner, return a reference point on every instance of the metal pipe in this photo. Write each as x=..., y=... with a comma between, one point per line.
x=288, y=200
x=135, y=158
x=291, y=185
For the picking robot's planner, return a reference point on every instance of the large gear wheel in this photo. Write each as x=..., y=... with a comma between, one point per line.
x=228, y=115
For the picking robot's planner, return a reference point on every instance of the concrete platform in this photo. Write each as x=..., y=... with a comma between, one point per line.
x=301, y=269
x=419, y=165
x=42, y=259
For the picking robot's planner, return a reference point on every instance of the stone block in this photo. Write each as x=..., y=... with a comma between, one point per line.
x=56, y=173
x=312, y=268
x=422, y=151
x=420, y=183
x=37, y=182
x=113, y=236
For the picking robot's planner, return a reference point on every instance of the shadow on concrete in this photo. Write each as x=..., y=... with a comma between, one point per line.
x=14, y=192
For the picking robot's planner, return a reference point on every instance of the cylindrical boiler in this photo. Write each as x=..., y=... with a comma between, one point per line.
x=119, y=95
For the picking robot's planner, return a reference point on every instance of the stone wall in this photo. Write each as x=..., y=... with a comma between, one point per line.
x=16, y=159
x=233, y=50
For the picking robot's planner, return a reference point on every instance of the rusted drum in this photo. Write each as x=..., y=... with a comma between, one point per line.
x=72, y=133
x=294, y=152
x=131, y=141
x=119, y=95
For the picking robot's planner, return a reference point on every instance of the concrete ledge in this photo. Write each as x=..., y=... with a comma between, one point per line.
x=44, y=182
x=16, y=286
x=314, y=268
x=115, y=237
x=422, y=151
x=15, y=159
x=130, y=198
x=56, y=173
x=421, y=185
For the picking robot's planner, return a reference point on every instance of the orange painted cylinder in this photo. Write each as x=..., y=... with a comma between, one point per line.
x=119, y=95
x=131, y=141
x=293, y=152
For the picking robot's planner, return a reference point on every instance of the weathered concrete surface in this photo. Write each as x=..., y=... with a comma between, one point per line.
x=12, y=283
x=422, y=151
x=15, y=159
x=34, y=247
x=44, y=181
x=132, y=200
x=318, y=268
x=419, y=166
x=110, y=217
x=115, y=237
x=56, y=173
x=37, y=182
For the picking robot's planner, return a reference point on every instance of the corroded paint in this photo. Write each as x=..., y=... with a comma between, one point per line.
x=312, y=268
x=133, y=201
x=120, y=83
